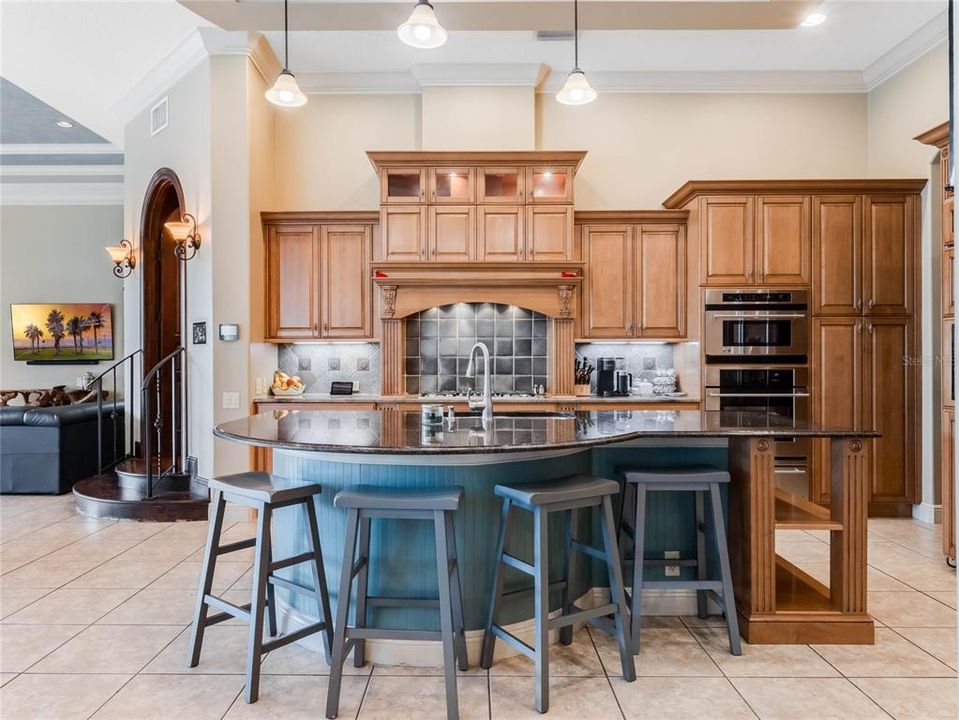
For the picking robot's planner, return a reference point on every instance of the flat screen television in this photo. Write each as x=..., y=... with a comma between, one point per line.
x=62, y=332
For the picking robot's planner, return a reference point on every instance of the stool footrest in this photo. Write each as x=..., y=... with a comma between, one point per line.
x=293, y=636
x=287, y=562
x=663, y=562
x=578, y=614
x=228, y=608
x=714, y=585
x=515, y=562
x=291, y=586
x=401, y=602
x=357, y=566
x=587, y=550
x=553, y=586
x=366, y=633
x=234, y=546
x=513, y=641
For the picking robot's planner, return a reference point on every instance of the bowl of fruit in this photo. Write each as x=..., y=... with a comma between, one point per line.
x=284, y=384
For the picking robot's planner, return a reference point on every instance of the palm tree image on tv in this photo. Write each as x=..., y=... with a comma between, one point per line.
x=73, y=332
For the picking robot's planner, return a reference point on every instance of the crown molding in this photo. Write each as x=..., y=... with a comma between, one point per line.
x=357, y=83
x=751, y=81
x=61, y=170
x=61, y=194
x=479, y=74
x=60, y=149
x=908, y=51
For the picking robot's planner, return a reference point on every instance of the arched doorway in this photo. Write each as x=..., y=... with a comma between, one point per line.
x=161, y=321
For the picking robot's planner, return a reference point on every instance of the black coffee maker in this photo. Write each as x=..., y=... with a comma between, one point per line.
x=611, y=377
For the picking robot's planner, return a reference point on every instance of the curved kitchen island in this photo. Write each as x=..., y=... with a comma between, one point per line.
x=777, y=601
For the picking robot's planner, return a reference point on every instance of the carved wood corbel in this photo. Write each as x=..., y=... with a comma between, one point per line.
x=389, y=300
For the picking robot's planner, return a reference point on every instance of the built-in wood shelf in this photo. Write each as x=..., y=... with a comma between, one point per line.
x=798, y=513
x=798, y=591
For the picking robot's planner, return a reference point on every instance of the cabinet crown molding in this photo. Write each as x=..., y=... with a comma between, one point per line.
x=458, y=158
x=938, y=136
x=597, y=217
x=695, y=188
x=321, y=217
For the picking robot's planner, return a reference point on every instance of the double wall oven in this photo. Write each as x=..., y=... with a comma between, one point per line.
x=757, y=352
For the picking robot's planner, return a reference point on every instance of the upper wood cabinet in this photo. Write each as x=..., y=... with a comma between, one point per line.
x=783, y=240
x=546, y=185
x=403, y=232
x=291, y=282
x=890, y=246
x=728, y=240
x=549, y=233
x=501, y=235
x=452, y=233
x=346, y=292
x=452, y=185
x=837, y=249
x=403, y=185
x=635, y=284
x=318, y=282
x=501, y=185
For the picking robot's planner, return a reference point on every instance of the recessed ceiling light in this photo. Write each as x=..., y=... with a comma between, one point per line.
x=64, y=124
x=813, y=20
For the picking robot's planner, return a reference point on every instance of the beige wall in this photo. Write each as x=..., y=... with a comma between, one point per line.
x=55, y=254
x=907, y=104
x=479, y=118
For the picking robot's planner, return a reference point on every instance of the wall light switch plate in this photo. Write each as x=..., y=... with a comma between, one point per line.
x=231, y=401
x=258, y=386
x=671, y=570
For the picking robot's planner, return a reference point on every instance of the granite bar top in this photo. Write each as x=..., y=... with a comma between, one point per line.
x=451, y=399
x=392, y=432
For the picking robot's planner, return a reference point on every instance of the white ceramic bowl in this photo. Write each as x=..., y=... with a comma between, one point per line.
x=287, y=391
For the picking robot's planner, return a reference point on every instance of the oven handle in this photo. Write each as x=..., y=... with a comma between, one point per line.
x=756, y=315
x=788, y=470
x=757, y=395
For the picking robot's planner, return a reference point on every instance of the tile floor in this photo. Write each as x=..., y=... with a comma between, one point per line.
x=94, y=618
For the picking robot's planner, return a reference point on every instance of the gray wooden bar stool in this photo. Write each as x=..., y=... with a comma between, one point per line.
x=264, y=493
x=542, y=498
x=366, y=503
x=700, y=480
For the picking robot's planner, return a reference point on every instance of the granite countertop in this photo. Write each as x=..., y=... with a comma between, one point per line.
x=450, y=399
x=386, y=432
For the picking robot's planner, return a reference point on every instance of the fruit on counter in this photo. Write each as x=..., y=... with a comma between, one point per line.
x=282, y=381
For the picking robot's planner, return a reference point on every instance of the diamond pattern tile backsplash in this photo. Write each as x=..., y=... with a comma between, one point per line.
x=320, y=365
x=642, y=359
x=438, y=342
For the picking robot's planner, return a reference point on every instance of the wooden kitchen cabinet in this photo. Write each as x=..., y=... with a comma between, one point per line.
x=452, y=185
x=948, y=477
x=346, y=292
x=549, y=185
x=837, y=249
x=890, y=244
x=403, y=232
x=948, y=281
x=501, y=233
x=452, y=233
x=291, y=283
x=501, y=185
x=403, y=185
x=608, y=303
x=728, y=240
x=783, y=240
x=660, y=277
x=549, y=233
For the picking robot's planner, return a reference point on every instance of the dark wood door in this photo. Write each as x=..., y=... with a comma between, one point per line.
x=784, y=240
x=608, y=288
x=728, y=225
x=889, y=254
x=345, y=286
x=837, y=255
x=292, y=289
x=660, y=286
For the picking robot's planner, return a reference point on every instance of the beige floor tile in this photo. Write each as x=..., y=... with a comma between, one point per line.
x=875, y=578
x=108, y=649
x=570, y=698
x=298, y=698
x=804, y=698
x=15, y=599
x=910, y=698
x=939, y=642
x=801, y=553
x=297, y=660
x=70, y=607
x=23, y=645
x=663, y=652
x=413, y=698
x=425, y=670
x=133, y=530
x=920, y=574
x=95, y=547
x=948, y=598
x=914, y=609
x=6, y=677
x=891, y=656
x=580, y=658
x=121, y=572
x=177, y=697
x=154, y=606
x=186, y=576
x=48, y=573
x=675, y=698
x=762, y=660
x=223, y=653
x=58, y=697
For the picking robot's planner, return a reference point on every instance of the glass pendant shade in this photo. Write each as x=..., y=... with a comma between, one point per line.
x=285, y=92
x=118, y=253
x=179, y=231
x=422, y=29
x=577, y=90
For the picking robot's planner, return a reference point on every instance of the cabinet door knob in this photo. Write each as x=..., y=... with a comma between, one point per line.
x=872, y=329
x=859, y=304
x=871, y=304
x=314, y=328
x=859, y=328
x=325, y=327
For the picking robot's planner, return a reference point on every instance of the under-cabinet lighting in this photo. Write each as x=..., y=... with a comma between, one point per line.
x=813, y=20
x=64, y=124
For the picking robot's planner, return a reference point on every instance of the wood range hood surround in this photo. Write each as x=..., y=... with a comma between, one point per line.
x=547, y=288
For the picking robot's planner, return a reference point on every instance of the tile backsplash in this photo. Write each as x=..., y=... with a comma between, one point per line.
x=438, y=342
x=320, y=365
x=642, y=359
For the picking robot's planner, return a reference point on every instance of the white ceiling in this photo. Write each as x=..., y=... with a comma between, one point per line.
x=87, y=59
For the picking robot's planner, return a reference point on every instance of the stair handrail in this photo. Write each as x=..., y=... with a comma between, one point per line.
x=153, y=377
x=97, y=385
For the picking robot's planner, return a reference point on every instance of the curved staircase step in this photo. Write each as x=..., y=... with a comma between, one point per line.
x=176, y=498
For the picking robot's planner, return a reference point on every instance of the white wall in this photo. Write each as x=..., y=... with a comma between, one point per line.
x=56, y=254
x=479, y=118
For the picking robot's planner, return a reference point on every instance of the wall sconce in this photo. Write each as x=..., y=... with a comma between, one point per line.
x=185, y=235
x=123, y=258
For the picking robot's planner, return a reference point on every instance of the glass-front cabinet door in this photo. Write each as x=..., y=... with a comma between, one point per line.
x=452, y=185
x=549, y=185
x=501, y=185
x=403, y=185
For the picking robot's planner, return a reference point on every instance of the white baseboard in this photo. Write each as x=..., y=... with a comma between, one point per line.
x=928, y=513
x=423, y=653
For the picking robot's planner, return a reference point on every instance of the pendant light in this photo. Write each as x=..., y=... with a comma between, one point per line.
x=422, y=29
x=285, y=92
x=577, y=90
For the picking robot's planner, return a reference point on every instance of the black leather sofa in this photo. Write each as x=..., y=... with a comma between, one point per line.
x=47, y=450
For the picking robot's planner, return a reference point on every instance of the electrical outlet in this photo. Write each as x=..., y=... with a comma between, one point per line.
x=231, y=401
x=672, y=570
x=356, y=386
